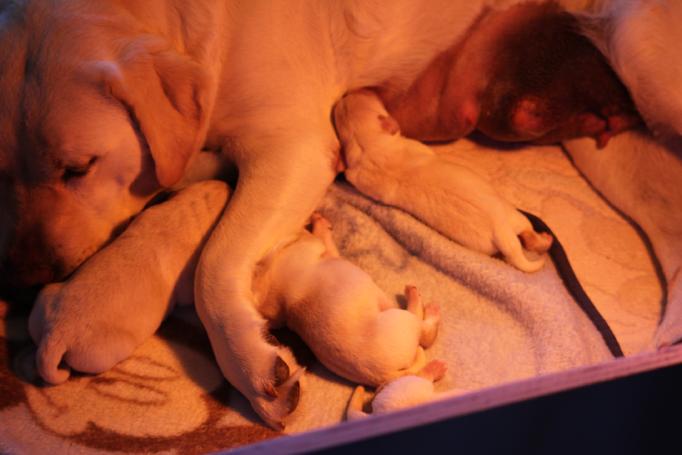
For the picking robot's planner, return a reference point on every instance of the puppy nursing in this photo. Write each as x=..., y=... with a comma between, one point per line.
x=451, y=198
x=353, y=328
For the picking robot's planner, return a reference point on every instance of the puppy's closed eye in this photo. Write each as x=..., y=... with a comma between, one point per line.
x=78, y=170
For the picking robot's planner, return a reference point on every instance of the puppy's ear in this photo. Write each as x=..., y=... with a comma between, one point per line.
x=166, y=94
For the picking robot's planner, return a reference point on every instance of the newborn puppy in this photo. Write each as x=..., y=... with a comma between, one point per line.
x=449, y=197
x=401, y=393
x=522, y=74
x=119, y=297
x=350, y=324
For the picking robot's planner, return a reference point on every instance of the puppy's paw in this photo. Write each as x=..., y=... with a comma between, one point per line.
x=537, y=242
x=430, y=325
x=359, y=400
x=320, y=224
x=414, y=301
x=434, y=370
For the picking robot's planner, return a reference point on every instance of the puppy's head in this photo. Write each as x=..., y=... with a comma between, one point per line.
x=96, y=118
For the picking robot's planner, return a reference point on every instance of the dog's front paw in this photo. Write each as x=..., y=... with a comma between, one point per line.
x=71, y=335
x=281, y=392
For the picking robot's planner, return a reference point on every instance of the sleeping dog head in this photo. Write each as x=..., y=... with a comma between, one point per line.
x=95, y=119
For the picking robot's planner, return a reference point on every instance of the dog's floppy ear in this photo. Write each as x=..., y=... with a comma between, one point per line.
x=166, y=94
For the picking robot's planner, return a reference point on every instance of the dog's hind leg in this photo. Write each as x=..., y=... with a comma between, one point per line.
x=430, y=325
x=510, y=245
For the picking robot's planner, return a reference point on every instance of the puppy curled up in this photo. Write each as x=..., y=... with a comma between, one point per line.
x=446, y=195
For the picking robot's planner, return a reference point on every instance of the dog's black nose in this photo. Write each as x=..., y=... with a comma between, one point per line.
x=29, y=263
x=19, y=295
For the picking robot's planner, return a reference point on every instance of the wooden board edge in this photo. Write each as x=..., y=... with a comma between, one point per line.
x=467, y=403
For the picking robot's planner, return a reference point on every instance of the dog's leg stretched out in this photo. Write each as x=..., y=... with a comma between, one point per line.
x=282, y=178
x=448, y=196
x=104, y=311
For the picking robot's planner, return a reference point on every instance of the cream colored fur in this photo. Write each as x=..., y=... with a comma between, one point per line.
x=641, y=177
x=105, y=102
x=403, y=392
x=350, y=324
x=444, y=194
x=119, y=297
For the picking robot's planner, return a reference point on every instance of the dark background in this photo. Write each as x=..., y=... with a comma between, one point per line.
x=637, y=414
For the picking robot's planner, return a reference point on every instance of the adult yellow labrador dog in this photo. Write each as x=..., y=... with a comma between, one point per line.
x=104, y=103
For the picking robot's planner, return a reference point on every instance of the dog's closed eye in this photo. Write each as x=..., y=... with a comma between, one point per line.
x=79, y=170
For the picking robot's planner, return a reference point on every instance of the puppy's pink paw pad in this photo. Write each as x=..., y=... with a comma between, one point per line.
x=434, y=370
x=432, y=312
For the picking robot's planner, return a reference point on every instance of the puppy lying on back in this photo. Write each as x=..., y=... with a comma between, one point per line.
x=451, y=198
x=350, y=324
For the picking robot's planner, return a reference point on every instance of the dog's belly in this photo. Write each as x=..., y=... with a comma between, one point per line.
x=292, y=65
x=521, y=74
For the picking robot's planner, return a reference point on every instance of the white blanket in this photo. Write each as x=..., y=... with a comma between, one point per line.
x=498, y=325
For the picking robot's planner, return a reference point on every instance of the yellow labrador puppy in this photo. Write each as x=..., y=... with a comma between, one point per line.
x=350, y=324
x=446, y=195
x=105, y=102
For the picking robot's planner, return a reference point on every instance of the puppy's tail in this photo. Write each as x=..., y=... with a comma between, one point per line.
x=49, y=360
x=509, y=244
x=356, y=403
